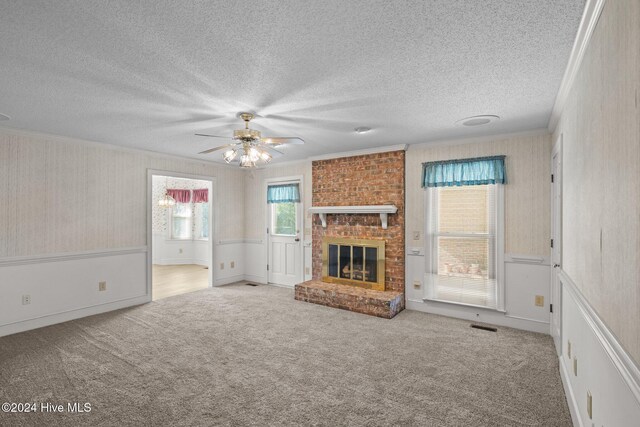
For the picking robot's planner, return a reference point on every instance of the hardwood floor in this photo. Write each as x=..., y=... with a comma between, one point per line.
x=171, y=280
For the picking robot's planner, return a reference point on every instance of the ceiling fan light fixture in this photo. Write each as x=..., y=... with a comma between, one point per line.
x=249, y=145
x=229, y=155
x=266, y=157
x=246, y=162
x=254, y=154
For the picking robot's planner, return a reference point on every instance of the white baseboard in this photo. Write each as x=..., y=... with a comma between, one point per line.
x=228, y=280
x=277, y=285
x=52, y=319
x=255, y=279
x=478, y=315
x=180, y=261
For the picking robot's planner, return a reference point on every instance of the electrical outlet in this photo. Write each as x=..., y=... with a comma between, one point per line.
x=575, y=366
x=222, y=266
x=307, y=270
x=102, y=286
x=233, y=264
x=589, y=405
x=180, y=250
x=539, y=301
x=26, y=299
x=416, y=235
x=416, y=284
x=569, y=349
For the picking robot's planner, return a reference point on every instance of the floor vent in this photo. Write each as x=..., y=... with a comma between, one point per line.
x=485, y=328
x=251, y=284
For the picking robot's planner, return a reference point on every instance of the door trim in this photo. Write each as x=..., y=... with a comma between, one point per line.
x=556, y=234
x=213, y=223
x=276, y=181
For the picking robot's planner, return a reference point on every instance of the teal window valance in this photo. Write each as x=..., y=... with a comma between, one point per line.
x=284, y=193
x=478, y=171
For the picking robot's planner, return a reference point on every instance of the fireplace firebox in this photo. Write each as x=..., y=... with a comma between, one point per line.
x=355, y=262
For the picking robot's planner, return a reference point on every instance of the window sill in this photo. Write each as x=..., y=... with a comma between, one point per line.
x=462, y=304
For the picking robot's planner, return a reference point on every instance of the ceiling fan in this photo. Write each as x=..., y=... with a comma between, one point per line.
x=249, y=147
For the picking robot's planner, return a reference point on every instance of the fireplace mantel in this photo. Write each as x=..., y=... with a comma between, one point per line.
x=382, y=210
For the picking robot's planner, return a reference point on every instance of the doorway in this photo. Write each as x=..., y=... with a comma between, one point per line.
x=181, y=225
x=556, y=245
x=284, y=225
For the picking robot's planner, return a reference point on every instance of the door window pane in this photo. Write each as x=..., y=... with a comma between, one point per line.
x=283, y=218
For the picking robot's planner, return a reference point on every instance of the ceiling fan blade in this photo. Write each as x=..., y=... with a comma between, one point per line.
x=271, y=150
x=222, y=147
x=213, y=136
x=282, y=140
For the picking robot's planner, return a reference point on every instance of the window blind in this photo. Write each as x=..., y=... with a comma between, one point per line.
x=462, y=236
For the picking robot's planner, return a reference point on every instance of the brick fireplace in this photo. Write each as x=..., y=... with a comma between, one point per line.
x=368, y=180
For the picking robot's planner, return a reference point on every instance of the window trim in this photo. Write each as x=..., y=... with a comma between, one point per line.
x=431, y=203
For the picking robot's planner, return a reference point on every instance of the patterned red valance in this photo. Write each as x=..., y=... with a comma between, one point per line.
x=201, y=196
x=180, y=196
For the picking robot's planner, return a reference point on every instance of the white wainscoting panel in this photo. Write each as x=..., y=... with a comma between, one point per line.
x=524, y=279
x=224, y=253
x=167, y=252
x=65, y=286
x=605, y=369
x=255, y=253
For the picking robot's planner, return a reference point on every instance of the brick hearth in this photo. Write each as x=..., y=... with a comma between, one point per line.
x=376, y=303
x=374, y=179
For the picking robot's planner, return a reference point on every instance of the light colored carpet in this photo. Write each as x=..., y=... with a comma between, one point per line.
x=242, y=355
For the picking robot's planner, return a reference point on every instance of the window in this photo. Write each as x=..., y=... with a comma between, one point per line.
x=201, y=211
x=464, y=241
x=181, y=221
x=284, y=218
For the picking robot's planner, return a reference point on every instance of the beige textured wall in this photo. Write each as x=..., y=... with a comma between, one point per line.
x=255, y=197
x=59, y=195
x=600, y=126
x=527, y=204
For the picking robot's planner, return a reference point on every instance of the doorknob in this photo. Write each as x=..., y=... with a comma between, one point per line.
x=297, y=239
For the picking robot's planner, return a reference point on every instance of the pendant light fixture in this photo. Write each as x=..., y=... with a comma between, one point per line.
x=166, y=201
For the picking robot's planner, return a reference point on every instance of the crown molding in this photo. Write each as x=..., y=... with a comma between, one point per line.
x=478, y=139
x=376, y=150
x=51, y=137
x=590, y=16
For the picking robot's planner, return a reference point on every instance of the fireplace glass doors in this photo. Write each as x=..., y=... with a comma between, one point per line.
x=354, y=262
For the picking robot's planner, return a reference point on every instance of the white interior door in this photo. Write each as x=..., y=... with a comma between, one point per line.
x=556, y=252
x=285, y=245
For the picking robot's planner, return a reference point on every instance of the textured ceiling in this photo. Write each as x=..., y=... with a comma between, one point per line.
x=149, y=74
